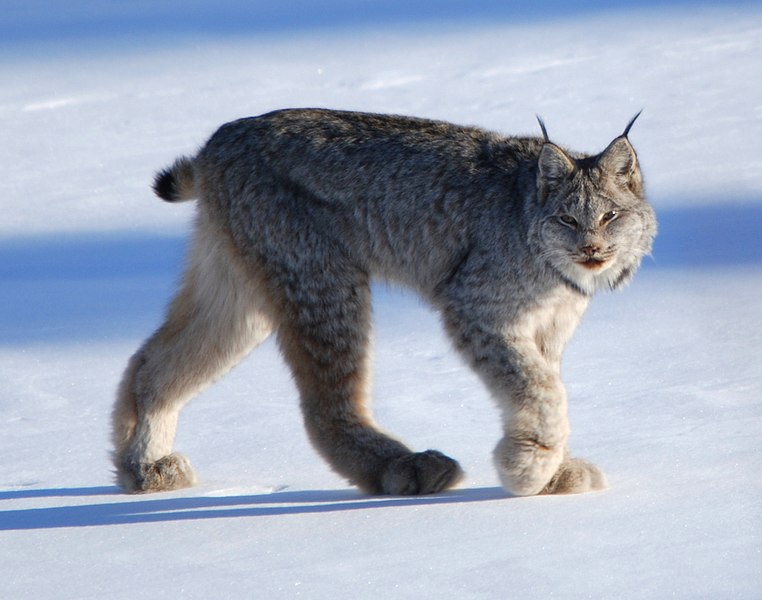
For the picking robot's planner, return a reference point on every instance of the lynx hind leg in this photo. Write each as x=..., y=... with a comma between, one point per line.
x=325, y=337
x=420, y=473
x=218, y=316
x=144, y=473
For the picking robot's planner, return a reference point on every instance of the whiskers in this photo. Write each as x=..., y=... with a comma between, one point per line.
x=585, y=272
x=549, y=254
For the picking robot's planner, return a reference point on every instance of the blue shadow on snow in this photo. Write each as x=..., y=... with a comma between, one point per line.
x=77, y=21
x=108, y=287
x=709, y=236
x=204, y=507
x=85, y=286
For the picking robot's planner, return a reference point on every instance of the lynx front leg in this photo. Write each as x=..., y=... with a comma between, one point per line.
x=520, y=367
x=535, y=430
x=324, y=333
x=214, y=320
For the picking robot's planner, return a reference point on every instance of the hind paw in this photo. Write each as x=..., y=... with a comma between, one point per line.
x=171, y=472
x=420, y=473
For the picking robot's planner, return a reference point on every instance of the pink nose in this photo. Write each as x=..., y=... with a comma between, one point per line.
x=589, y=250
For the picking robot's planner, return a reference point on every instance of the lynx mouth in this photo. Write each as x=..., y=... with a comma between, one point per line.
x=592, y=264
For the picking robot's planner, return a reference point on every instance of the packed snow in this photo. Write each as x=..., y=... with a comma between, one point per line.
x=664, y=379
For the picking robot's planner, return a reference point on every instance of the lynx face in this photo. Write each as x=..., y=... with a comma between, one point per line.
x=598, y=225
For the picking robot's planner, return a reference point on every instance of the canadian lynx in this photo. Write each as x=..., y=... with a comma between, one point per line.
x=506, y=237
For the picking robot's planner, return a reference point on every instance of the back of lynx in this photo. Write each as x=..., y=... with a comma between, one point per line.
x=298, y=210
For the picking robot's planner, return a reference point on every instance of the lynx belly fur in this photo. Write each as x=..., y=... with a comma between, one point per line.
x=507, y=238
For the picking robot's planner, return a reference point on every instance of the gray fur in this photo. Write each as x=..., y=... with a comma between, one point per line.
x=507, y=237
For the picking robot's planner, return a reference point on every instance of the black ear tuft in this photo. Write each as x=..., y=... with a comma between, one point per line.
x=544, y=131
x=629, y=125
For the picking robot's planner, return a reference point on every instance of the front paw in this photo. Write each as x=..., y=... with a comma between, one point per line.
x=576, y=476
x=525, y=465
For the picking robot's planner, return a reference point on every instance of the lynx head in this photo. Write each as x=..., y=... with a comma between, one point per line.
x=595, y=224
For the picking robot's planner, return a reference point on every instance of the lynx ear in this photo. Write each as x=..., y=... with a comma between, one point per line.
x=620, y=162
x=553, y=165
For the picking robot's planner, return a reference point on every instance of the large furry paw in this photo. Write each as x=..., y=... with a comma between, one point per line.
x=575, y=476
x=420, y=473
x=525, y=466
x=171, y=472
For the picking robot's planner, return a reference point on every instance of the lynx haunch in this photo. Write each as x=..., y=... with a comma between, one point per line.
x=298, y=210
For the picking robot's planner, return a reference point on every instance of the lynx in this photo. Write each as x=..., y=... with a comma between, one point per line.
x=507, y=238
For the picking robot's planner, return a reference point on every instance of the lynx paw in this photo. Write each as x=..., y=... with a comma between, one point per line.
x=575, y=476
x=420, y=473
x=525, y=466
x=171, y=472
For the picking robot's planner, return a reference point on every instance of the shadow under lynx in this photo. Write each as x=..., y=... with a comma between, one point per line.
x=298, y=210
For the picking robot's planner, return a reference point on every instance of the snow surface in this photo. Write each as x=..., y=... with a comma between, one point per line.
x=665, y=379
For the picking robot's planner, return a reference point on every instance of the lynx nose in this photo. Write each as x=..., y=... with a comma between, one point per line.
x=590, y=250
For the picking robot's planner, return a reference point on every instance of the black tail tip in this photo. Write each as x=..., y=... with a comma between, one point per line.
x=164, y=185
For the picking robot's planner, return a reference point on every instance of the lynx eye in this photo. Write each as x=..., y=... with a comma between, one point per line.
x=609, y=216
x=568, y=220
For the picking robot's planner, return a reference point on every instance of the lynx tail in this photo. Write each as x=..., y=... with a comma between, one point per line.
x=176, y=183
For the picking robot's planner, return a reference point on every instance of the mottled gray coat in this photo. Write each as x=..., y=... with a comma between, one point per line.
x=506, y=237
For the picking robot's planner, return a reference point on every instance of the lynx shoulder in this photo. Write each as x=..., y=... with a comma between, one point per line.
x=299, y=210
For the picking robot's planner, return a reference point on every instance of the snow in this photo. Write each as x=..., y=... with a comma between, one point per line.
x=665, y=379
